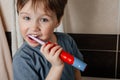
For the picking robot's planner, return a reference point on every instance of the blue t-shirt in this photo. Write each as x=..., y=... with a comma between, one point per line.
x=30, y=64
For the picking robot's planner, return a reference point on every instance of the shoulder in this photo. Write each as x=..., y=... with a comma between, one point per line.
x=64, y=36
x=24, y=54
x=61, y=34
x=26, y=63
x=25, y=48
x=66, y=41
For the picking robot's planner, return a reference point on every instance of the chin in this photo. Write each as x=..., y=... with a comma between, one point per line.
x=33, y=45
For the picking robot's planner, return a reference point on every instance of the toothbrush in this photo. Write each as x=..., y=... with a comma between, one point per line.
x=65, y=56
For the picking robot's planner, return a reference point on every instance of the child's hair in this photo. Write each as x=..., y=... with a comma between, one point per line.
x=56, y=6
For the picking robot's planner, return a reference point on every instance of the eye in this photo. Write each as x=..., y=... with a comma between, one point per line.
x=44, y=20
x=27, y=18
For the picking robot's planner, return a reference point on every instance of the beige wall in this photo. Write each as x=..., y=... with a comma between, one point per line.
x=6, y=12
x=81, y=16
x=92, y=16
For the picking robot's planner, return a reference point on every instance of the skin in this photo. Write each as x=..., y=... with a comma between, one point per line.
x=41, y=24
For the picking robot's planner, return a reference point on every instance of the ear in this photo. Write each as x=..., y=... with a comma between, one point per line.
x=59, y=22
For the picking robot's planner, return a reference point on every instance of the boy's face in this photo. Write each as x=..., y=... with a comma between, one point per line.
x=38, y=23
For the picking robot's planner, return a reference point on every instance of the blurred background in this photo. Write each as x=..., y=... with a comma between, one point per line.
x=94, y=25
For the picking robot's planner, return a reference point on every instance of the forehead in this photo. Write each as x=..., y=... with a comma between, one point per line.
x=39, y=11
x=37, y=5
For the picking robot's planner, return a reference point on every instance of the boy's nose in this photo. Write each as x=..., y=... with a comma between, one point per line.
x=35, y=27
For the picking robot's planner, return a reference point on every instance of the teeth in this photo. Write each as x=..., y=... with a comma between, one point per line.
x=34, y=35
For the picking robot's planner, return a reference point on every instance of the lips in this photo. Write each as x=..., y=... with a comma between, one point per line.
x=31, y=40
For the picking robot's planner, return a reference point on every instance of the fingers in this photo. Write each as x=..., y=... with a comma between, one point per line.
x=51, y=49
x=46, y=48
x=51, y=53
x=55, y=50
x=58, y=52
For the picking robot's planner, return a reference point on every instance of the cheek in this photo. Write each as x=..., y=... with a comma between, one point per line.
x=23, y=26
x=49, y=30
x=23, y=30
x=47, y=33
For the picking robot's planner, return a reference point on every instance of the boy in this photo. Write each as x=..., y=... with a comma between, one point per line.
x=33, y=61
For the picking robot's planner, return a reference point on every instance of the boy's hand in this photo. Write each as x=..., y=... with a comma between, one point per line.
x=52, y=52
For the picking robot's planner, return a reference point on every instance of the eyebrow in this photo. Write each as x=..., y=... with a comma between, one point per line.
x=51, y=16
x=24, y=13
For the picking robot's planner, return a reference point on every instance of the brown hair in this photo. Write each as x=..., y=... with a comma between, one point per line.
x=56, y=6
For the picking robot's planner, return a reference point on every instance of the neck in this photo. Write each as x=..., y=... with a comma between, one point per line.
x=53, y=38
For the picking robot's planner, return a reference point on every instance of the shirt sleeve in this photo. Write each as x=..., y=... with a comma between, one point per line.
x=76, y=51
x=23, y=69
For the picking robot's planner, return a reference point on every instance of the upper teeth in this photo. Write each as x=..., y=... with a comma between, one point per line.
x=34, y=35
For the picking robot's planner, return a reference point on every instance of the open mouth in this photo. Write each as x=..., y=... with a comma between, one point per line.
x=35, y=38
x=31, y=37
